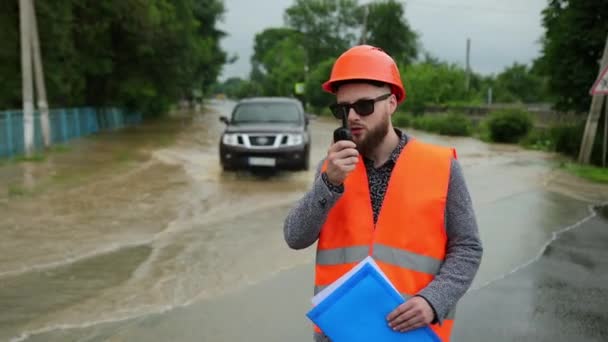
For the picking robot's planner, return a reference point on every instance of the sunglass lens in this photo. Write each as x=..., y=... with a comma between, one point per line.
x=364, y=107
x=337, y=110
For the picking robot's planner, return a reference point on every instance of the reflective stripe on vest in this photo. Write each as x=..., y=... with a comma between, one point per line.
x=337, y=256
x=401, y=258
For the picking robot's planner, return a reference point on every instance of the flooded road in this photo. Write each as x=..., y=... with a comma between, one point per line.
x=159, y=234
x=156, y=243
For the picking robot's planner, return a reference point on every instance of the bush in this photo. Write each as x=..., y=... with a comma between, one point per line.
x=429, y=123
x=482, y=131
x=561, y=138
x=510, y=125
x=449, y=124
x=401, y=119
x=456, y=125
x=564, y=139
x=539, y=139
x=567, y=138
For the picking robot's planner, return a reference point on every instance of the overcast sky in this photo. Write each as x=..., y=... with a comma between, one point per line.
x=501, y=32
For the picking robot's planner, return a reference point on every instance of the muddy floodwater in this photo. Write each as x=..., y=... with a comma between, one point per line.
x=140, y=236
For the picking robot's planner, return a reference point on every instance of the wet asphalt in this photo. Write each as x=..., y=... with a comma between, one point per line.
x=215, y=267
x=562, y=296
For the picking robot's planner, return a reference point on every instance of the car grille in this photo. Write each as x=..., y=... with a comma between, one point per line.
x=262, y=140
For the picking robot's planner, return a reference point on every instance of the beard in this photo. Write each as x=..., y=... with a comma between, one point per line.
x=373, y=138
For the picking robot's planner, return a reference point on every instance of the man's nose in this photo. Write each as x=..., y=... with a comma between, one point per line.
x=352, y=115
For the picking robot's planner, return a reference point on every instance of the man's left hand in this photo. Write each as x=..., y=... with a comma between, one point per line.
x=414, y=313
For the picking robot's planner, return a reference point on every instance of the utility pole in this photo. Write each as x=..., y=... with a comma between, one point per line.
x=26, y=74
x=363, y=39
x=468, y=79
x=593, y=118
x=39, y=73
x=605, y=143
x=490, y=96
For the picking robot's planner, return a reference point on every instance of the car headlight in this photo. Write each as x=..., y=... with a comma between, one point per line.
x=295, y=139
x=230, y=139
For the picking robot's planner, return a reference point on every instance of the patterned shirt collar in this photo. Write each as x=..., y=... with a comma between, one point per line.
x=396, y=152
x=402, y=141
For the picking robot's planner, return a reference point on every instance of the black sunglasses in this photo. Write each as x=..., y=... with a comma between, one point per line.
x=361, y=107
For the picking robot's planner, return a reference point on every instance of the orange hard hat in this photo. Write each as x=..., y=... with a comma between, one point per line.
x=366, y=62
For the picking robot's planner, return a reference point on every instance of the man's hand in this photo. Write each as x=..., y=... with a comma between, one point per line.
x=342, y=157
x=414, y=313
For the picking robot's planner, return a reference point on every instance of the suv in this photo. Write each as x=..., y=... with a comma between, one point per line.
x=268, y=132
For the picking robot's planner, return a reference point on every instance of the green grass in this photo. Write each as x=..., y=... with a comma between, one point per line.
x=540, y=140
x=592, y=173
x=16, y=191
x=59, y=149
x=37, y=157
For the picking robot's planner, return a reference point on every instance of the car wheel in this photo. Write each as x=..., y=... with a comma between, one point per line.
x=227, y=168
x=306, y=162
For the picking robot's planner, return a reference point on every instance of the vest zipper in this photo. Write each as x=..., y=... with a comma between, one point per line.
x=371, y=246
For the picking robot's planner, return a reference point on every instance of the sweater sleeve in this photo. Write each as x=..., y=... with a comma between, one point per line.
x=464, y=249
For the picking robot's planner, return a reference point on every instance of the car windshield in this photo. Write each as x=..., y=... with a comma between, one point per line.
x=266, y=112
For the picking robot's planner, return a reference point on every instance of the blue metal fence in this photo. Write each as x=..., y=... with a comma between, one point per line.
x=66, y=124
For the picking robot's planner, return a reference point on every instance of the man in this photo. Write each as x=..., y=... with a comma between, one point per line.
x=390, y=196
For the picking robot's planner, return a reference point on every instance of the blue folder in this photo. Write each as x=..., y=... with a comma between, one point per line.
x=357, y=310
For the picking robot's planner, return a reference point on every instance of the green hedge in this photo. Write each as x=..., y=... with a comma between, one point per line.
x=401, y=119
x=564, y=139
x=456, y=125
x=509, y=125
x=453, y=124
x=568, y=138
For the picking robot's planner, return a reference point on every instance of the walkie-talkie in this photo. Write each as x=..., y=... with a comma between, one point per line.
x=343, y=133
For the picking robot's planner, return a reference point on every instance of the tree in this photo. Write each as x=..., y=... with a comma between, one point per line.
x=278, y=61
x=316, y=96
x=387, y=28
x=267, y=39
x=429, y=58
x=211, y=57
x=427, y=84
x=143, y=55
x=10, y=86
x=518, y=83
x=237, y=88
x=328, y=26
x=287, y=58
x=163, y=50
x=575, y=34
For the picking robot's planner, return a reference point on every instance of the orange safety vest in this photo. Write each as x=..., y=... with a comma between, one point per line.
x=408, y=241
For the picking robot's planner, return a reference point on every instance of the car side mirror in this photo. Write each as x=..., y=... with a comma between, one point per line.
x=308, y=117
x=224, y=120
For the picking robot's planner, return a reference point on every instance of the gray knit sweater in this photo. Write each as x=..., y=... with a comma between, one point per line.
x=464, y=251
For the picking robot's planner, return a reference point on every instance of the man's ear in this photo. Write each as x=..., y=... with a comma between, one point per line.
x=392, y=104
